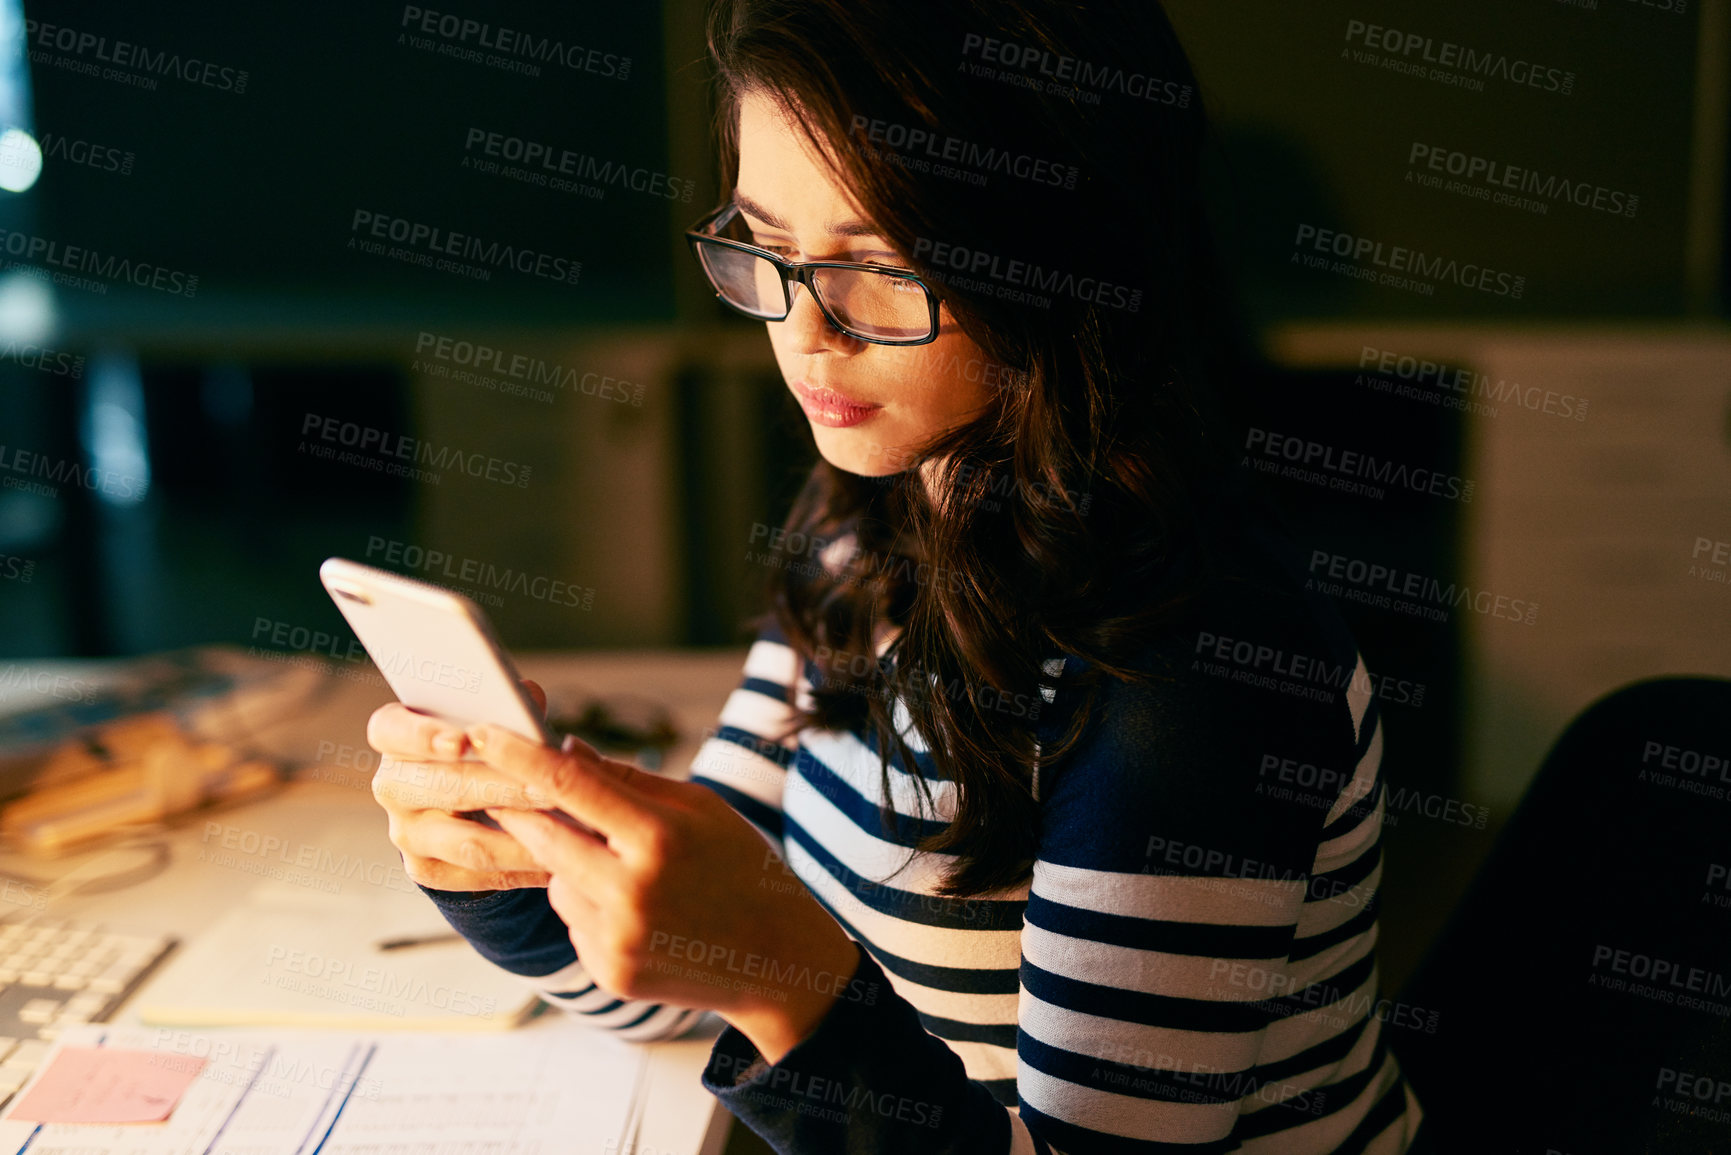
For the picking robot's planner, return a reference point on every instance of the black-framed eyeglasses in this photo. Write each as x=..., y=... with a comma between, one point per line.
x=876, y=303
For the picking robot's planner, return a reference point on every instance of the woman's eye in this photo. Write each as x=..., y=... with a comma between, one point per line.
x=783, y=250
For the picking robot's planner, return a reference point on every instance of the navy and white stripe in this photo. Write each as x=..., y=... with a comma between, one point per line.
x=518, y=931
x=1190, y=968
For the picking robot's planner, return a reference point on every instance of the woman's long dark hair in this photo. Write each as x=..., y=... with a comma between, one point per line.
x=1069, y=519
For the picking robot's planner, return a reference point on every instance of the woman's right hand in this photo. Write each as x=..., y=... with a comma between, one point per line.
x=421, y=784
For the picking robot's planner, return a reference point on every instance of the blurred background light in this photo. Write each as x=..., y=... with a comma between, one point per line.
x=20, y=160
x=112, y=428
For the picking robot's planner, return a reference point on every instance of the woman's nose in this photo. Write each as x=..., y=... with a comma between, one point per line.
x=810, y=328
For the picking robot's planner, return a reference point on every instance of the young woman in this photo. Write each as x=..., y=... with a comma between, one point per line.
x=1045, y=816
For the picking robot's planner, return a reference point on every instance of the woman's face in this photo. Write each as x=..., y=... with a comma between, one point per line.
x=869, y=405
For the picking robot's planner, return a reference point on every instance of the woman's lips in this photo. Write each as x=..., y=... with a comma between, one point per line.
x=827, y=407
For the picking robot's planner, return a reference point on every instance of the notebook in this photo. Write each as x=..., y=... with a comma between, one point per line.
x=296, y=956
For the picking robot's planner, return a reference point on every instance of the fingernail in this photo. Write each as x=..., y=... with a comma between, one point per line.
x=477, y=738
x=448, y=743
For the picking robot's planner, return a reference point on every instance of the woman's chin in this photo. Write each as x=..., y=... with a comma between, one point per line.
x=852, y=453
x=848, y=463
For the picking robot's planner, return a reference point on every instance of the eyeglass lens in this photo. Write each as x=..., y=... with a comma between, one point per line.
x=877, y=305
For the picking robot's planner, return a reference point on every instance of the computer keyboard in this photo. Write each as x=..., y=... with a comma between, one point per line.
x=54, y=973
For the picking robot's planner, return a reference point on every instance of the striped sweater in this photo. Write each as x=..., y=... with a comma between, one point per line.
x=1190, y=968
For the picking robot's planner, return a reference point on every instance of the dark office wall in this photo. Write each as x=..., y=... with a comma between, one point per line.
x=1318, y=130
x=251, y=179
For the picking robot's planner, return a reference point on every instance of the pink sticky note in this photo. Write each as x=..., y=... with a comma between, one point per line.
x=107, y=1085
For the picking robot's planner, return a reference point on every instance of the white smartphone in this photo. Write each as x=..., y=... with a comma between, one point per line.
x=435, y=647
x=437, y=650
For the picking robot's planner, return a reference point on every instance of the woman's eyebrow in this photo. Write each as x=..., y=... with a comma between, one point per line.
x=842, y=229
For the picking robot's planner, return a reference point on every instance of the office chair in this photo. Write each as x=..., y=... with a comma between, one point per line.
x=1582, y=989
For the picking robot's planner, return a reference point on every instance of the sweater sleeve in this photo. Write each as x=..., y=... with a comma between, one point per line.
x=1178, y=989
x=745, y=758
x=740, y=759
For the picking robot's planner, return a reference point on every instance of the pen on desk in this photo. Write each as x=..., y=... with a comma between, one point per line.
x=420, y=940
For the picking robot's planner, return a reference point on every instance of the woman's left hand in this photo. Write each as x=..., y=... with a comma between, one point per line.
x=675, y=898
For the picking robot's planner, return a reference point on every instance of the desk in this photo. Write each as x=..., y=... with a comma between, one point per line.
x=329, y=803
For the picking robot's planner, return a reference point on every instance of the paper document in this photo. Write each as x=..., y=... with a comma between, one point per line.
x=533, y=1092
